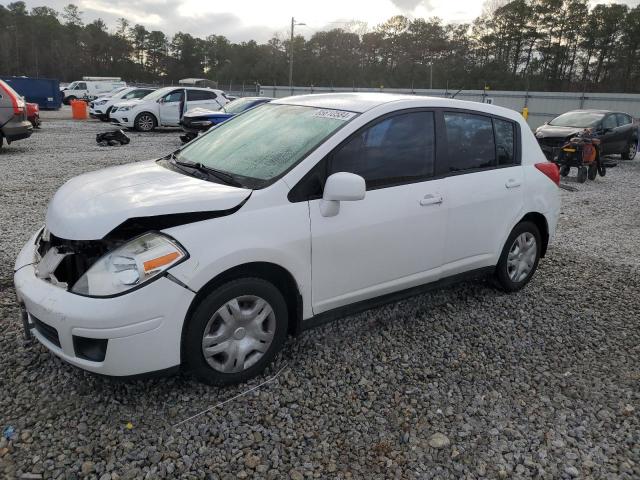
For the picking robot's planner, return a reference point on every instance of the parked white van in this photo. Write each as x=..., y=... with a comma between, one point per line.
x=90, y=88
x=284, y=216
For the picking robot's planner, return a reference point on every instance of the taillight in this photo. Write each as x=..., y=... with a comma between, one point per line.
x=551, y=170
x=16, y=101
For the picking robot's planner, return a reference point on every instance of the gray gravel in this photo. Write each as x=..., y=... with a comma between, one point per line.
x=465, y=382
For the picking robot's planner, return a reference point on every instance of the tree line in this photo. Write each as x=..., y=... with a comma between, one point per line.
x=517, y=45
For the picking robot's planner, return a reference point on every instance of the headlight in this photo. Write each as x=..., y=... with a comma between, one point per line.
x=124, y=109
x=130, y=265
x=202, y=123
x=101, y=102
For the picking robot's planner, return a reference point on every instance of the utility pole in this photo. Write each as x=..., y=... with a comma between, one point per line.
x=293, y=25
x=431, y=75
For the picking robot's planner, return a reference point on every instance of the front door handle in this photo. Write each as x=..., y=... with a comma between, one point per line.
x=512, y=183
x=431, y=199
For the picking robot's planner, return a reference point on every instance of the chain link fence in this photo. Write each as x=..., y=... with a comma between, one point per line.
x=542, y=106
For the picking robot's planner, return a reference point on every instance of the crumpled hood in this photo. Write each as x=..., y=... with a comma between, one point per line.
x=549, y=131
x=89, y=206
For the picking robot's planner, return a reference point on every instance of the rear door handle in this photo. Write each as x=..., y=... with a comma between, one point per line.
x=512, y=183
x=431, y=199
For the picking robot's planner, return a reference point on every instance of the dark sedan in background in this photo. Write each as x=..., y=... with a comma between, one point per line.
x=617, y=131
x=201, y=119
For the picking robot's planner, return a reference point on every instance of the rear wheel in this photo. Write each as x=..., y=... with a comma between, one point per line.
x=582, y=174
x=630, y=151
x=235, y=331
x=593, y=171
x=145, y=122
x=564, y=170
x=520, y=256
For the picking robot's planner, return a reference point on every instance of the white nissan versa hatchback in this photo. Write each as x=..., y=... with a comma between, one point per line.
x=297, y=211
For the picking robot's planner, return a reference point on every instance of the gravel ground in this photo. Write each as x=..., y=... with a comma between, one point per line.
x=465, y=382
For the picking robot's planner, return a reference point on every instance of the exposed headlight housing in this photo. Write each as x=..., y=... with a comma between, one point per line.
x=130, y=265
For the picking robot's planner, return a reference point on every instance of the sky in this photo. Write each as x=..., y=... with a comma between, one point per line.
x=259, y=20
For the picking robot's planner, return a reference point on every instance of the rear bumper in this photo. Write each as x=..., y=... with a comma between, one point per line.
x=17, y=130
x=138, y=332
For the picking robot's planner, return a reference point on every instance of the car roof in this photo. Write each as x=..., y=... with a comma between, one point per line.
x=360, y=102
x=353, y=102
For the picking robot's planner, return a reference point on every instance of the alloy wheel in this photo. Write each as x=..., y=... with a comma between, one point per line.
x=522, y=257
x=238, y=334
x=145, y=123
x=633, y=149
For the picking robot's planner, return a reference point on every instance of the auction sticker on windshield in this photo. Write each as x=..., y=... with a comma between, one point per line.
x=335, y=114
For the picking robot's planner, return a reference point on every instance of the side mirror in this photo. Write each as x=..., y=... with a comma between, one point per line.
x=341, y=187
x=160, y=100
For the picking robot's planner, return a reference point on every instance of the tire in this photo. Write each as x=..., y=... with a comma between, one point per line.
x=582, y=174
x=67, y=101
x=241, y=336
x=145, y=122
x=592, y=172
x=564, y=170
x=630, y=151
x=602, y=170
x=523, y=258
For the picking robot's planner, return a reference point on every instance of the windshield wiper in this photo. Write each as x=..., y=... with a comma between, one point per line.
x=220, y=175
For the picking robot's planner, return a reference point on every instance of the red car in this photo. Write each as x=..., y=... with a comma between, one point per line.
x=33, y=114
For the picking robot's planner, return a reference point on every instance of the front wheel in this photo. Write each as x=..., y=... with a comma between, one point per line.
x=145, y=122
x=236, y=331
x=520, y=256
x=564, y=170
x=593, y=171
x=630, y=151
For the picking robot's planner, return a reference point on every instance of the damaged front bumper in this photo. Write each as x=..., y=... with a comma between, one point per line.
x=135, y=333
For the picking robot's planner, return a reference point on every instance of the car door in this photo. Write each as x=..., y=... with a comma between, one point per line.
x=393, y=238
x=609, y=135
x=483, y=189
x=170, y=108
x=626, y=129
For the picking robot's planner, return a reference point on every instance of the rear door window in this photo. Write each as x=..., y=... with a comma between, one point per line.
x=197, y=95
x=623, y=119
x=470, y=142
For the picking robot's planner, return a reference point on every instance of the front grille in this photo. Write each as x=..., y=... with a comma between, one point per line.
x=81, y=254
x=47, y=331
